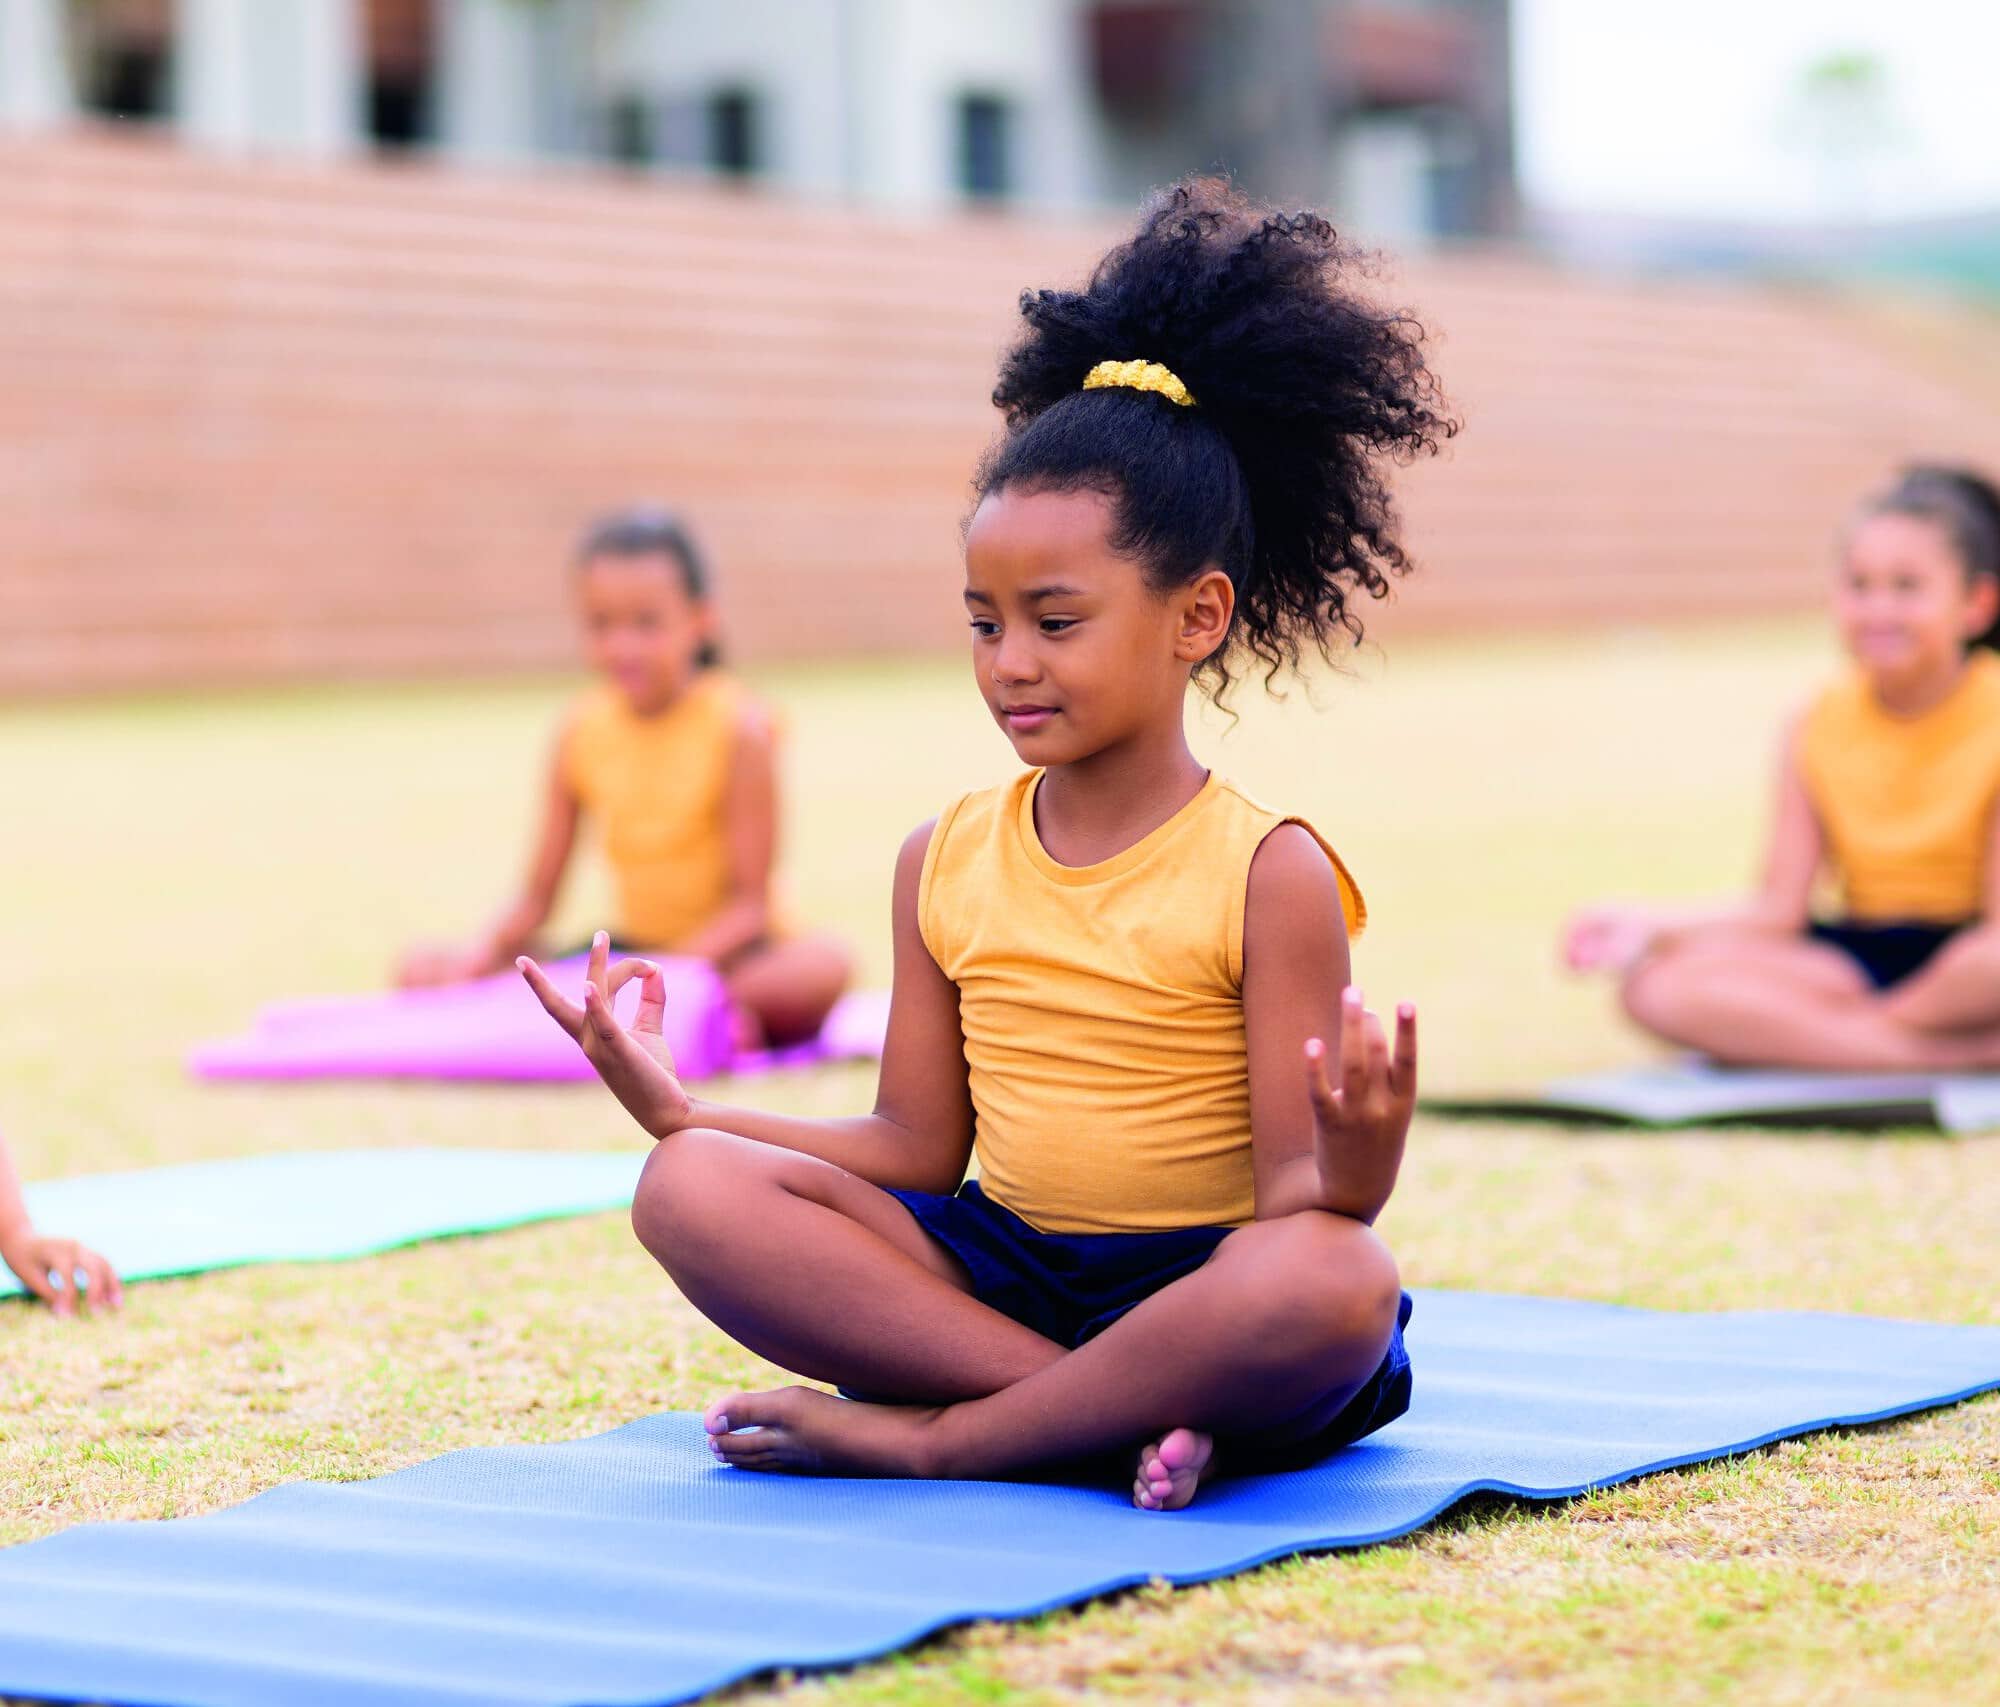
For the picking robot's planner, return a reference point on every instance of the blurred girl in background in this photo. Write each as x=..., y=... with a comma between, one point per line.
x=1888, y=788
x=676, y=762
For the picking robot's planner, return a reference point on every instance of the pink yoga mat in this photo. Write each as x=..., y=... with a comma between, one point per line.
x=494, y=1029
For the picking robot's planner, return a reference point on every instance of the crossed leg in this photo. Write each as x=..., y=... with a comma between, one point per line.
x=783, y=990
x=1758, y=1000
x=830, y=1277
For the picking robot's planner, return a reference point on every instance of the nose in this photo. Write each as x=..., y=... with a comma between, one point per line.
x=1014, y=662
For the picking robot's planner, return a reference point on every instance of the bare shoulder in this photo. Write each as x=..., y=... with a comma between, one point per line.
x=756, y=725
x=910, y=856
x=1291, y=876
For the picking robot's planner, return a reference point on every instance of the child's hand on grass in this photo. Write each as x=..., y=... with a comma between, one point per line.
x=1359, y=1126
x=635, y=1063
x=48, y=1268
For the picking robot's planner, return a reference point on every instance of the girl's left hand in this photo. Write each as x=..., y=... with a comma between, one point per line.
x=1359, y=1126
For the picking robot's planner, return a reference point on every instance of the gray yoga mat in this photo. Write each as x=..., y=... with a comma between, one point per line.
x=1697, y=1093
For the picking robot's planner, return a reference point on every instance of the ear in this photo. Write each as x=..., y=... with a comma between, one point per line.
x=1206, y=606
x=1982, y=605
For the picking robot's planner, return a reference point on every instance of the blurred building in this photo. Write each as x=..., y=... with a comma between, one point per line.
x=1395, y=113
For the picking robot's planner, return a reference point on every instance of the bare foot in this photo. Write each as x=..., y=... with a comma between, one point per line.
x=809, y=1433
x=1170, y=1469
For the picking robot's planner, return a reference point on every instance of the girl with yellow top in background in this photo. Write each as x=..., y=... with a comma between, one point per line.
x=1890, y=786
x=676, y=763
x=1119, y=979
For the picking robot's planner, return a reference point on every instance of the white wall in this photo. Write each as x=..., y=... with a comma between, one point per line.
x=34, y=73
x=254, y=75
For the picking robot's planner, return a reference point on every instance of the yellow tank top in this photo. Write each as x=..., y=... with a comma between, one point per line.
x=657, y=787
x=1102, y=1008
x=1906, y=803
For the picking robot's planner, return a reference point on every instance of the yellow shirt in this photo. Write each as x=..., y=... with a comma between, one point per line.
x=1906, y=803
x=658, y=788
x=1102, y=1008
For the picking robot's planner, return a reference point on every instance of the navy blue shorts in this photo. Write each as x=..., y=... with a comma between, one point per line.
x=1886, y=954
x=1071, y=1286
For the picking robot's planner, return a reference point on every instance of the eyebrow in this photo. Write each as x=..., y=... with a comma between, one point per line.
x=1034, y=595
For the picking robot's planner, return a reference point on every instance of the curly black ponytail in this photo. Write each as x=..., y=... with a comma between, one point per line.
x=1301, y=391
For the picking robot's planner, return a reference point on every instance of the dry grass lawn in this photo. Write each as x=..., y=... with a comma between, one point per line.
x=173, y=863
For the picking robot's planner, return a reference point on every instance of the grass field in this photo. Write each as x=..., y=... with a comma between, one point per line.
x=172, y=864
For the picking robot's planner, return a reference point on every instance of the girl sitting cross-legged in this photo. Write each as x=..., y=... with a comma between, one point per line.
x=1889, y=786
x=1120, y=982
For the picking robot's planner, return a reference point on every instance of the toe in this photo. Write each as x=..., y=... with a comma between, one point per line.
x=742, y=1411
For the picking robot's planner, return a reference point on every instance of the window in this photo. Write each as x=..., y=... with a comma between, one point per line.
x=732, y=131
x=128, y=81
x=399, y=111
x=122, y=51
x=985, y=153
x=628, y=132
x=397, y=45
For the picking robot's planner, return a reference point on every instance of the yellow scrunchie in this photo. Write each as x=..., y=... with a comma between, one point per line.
x=1140, y=376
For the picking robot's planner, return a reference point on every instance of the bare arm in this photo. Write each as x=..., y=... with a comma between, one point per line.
x=14, y=1223
x=1315, y=1146
x=1618, y=936
x=513, y=930
x=1989, y=887
x=750, y=822
x=919, y=1137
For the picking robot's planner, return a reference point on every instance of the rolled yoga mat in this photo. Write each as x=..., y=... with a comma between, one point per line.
x=494, y=1029
x=1699, y=1093
x=319, y=1205
x=634, y=1568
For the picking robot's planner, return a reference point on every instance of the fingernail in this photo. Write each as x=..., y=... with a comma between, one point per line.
x=1407, y=1010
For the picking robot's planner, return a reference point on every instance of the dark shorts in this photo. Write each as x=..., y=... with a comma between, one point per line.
x=1071, y=1286
x=1886, y=954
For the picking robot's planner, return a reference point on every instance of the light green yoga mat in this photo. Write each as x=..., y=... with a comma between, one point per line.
x=319, y=1205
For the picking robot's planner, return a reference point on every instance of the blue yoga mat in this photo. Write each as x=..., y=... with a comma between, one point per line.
x=318, y=1205
x=633, y=1568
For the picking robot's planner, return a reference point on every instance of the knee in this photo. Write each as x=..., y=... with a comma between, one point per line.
x=1334, y=1292
x=831, y=961
x=1651, y=993
x=687, y=1184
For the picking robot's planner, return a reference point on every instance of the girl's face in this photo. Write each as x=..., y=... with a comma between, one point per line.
x=1903, y=602
x=1073, y=651
x=642, y=629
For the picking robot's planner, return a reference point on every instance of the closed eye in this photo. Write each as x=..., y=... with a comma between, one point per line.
x=1056, y=624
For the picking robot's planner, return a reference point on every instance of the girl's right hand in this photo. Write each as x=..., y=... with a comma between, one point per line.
x=1609, y=939
x=635, y=1063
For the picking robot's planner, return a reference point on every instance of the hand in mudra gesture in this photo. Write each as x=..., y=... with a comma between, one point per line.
x=634, y=1060
x=1367, y=1115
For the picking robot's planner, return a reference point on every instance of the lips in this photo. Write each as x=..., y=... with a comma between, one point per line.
x=1025, y=717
